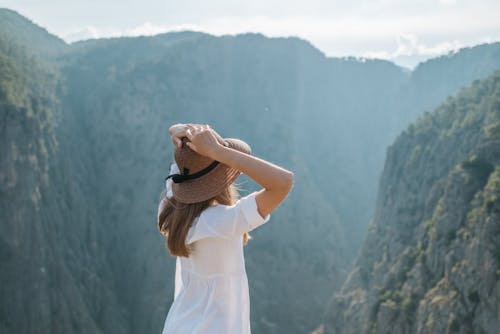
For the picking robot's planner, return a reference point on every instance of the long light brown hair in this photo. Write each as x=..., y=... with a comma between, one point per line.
x=176, y=218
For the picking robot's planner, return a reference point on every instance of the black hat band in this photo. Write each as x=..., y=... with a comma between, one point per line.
x=179, y=178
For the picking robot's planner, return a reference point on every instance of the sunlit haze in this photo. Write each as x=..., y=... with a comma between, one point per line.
x=403, y=31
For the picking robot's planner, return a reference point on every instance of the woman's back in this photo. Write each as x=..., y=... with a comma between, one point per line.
x=211, y=287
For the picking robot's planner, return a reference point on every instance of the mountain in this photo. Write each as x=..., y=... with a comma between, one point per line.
x=430, y=263
x=434, y=80
x=124, y=94
x=87, y=152
x=18, y=32
x=53, y=275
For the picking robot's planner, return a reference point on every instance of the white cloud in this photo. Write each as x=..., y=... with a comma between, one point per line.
x=317, y=28
x=145, y=29
x=149, y=29
x=409, y=45
x=409, y=50
x=447, y=2
x=82, y=34
x=386, y=29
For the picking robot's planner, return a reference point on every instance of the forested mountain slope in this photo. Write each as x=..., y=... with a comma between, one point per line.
x=430, y=263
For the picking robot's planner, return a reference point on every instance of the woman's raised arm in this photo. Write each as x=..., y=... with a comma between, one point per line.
x=275, y=180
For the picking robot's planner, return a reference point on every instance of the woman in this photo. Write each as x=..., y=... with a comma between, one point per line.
x=206, y=228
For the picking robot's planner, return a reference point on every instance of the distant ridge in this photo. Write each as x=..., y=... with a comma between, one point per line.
x=15, y=28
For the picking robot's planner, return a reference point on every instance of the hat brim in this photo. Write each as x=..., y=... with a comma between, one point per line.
x=212, y=183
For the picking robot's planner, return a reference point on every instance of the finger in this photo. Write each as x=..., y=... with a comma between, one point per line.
x=174, y=128
x=178, y=133
x=190, y=145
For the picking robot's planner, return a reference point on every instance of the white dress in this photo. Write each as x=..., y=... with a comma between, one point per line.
x=211, y=288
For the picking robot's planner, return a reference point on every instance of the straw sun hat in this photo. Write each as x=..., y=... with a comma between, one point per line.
x=201, y=178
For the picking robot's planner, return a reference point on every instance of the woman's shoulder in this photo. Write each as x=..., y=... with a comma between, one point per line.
x=244, y=210
x=228, y=221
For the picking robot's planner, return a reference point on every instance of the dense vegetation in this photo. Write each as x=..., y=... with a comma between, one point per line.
x=430, y=263
x=85, y=150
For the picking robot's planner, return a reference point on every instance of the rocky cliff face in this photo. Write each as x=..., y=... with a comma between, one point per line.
x=430, y=263
x=54, y=275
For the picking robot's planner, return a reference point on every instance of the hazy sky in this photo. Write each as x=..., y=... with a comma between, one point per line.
x=404, y=31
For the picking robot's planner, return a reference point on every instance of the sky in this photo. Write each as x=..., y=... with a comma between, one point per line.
x=403, y=31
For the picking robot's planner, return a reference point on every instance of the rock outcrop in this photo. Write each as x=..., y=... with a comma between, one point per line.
x=430, y=263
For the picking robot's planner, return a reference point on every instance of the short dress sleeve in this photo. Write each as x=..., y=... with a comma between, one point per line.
x=228, y=221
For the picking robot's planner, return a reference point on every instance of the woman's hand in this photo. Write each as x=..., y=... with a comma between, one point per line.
x=179, y=131
x=202, y=139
